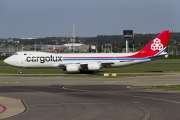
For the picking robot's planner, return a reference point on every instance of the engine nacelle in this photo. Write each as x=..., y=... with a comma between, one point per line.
x=93, y=66
x=72, y=68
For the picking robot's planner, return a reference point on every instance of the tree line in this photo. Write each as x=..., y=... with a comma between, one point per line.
x=117, y=42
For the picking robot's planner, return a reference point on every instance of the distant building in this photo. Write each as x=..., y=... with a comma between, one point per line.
x=49, y=48
x=78, y=47
x=28, y=38
x=69, y=47
x=56, y=48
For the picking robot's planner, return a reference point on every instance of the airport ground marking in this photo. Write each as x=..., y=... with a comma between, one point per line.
x=6, y=82
x=152, y=98
x=3, y=108
x=35, y=105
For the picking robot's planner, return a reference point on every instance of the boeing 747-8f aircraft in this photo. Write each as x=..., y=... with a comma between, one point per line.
x=78, y=62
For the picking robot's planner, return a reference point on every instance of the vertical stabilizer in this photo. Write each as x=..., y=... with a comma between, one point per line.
x=156, y=46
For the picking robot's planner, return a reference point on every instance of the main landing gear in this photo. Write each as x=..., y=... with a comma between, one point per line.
x=82, y=71
x=20, y=71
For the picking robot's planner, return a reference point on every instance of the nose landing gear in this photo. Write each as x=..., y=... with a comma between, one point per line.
x=20, y=71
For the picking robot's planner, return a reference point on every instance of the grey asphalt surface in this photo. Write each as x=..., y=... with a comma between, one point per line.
x=61, y=98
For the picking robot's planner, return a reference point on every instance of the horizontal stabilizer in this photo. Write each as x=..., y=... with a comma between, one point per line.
x=158, y=57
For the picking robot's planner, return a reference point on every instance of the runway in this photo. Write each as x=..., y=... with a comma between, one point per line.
x=130, y=98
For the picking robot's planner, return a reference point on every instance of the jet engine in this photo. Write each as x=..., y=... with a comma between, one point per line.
x=93, y=66
x=72, y=68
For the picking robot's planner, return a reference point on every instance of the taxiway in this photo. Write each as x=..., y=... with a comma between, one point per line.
x=130, y=98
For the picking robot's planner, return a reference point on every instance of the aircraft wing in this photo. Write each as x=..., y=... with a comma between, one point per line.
x=83, y=64
x=103, y=64
x=106, y=64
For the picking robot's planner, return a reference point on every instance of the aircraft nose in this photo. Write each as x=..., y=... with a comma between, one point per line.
x=7, y=61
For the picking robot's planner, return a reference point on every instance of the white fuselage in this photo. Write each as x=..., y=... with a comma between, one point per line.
x=42, y=59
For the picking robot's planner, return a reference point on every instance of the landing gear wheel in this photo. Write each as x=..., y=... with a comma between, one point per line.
x=20, y=71
x=81, y=71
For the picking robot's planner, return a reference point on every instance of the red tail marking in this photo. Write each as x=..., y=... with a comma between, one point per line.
x=155, y=46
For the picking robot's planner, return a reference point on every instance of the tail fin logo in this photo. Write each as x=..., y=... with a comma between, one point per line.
x=157, y=45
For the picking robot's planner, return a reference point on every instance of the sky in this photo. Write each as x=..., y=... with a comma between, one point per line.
x=55, y=18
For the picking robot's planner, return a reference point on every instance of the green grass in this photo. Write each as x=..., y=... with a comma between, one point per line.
x=1, y=62
x=77, y=75
x=165, y=65
x=159, y=66
x=169, y=87
x=14, y=70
